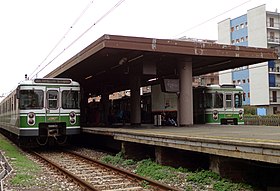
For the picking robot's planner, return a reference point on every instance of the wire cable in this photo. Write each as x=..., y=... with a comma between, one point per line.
x=202, y=23
x=64, y=36
x=98, y=20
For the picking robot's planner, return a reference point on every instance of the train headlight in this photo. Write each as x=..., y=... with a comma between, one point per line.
x=31, y=118
x=72, y=121
x=72, y=114
x=215, y=115
x=240, y=114
x=72, y=117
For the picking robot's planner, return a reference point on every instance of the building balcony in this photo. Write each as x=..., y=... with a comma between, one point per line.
x=274, y=70
x=275, y=26
x=277, y=102
x=275, y=86
x=273, y=40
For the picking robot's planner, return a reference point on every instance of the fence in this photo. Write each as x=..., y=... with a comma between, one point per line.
x=262, y=120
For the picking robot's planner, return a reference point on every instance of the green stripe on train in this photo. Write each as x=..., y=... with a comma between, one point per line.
x=209, y=118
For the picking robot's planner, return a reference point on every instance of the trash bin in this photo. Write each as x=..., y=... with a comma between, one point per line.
x=157, y=120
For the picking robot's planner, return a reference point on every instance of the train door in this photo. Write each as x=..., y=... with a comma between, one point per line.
x=228, y=106
x=52, y=105
x=227, y=116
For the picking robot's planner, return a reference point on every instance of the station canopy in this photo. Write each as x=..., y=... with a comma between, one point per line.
x=107, y=63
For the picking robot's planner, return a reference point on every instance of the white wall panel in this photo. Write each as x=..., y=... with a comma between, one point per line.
x=259, y=85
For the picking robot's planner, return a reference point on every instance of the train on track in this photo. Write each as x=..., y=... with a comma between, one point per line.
x=42, y=109
x=212, y=104
x=218, y=104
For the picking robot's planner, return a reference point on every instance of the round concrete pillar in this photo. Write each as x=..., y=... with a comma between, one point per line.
x=186, y=95
x=135, y=100
x=105, y=107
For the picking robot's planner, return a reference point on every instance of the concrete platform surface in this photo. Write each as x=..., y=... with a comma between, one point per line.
x=260, y=143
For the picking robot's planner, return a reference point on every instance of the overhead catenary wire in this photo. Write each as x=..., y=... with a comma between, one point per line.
x=202, y=23
x=80, y=36
x=64, y=36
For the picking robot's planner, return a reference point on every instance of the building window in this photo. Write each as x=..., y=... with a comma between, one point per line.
x=274, y=96
x=248, y=94
x=242, y=26
x=237, y=41
x=271, y=35
x=274, y=110
x=242, y=39
x=232, y=29
x=238, y=82
x=246, y=24
x=237, y=27
x=248, y=80
x=244, y=95
x=232, y=42
x=246, y=38
x=233, y=81
x=271, y=22
x=243, y=81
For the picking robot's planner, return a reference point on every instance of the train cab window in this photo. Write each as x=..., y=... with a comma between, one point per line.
x=208, y=100
x=238, y=100
x=228, y=101
x=52, y=99
x=218, y=100
x=70, y=99
x=31, y=99
x=213, y=100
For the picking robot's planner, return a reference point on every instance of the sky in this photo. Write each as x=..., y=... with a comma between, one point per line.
x=39, y=35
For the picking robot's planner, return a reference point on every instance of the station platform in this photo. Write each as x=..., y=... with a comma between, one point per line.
x=258, y=143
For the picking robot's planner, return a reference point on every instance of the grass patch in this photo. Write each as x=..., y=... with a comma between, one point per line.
x=148, y=168
x=118, y=159
x=204, y=177
x=25, y=168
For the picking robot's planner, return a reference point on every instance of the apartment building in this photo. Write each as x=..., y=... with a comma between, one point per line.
x=261, y=82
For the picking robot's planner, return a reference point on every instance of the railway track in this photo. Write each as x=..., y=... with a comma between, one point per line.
x=91, y=174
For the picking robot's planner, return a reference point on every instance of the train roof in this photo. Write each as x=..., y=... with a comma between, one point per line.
x=45, y=81
x=219, y=86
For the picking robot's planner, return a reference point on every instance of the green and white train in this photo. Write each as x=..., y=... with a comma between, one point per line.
x=212, y=104
x=41, y=109
x=218, y=104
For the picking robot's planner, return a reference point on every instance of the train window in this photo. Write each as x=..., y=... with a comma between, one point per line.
x=228, y=101
x=52, y=97
x=31, y=99
x=208, y=100
x=213, y=100
x=238, y=100
x=218, y=100
x=70, y=99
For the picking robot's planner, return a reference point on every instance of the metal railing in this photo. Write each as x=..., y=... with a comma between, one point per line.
x=6, y=169
x=262, y=120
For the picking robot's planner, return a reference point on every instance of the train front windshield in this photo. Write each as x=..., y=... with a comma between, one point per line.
x=213, y=100
x=31, y=99
x=70, y=99
x=238, y=100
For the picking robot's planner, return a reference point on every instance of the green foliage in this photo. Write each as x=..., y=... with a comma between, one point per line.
x=150, y=169
x=145, y=184
x=21, y=164
x=204, y=177
x=224, y=185
x=250, y=110
x=117, y=159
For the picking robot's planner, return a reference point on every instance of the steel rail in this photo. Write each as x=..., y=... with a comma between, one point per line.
x=128, y=174
x=78, y=180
